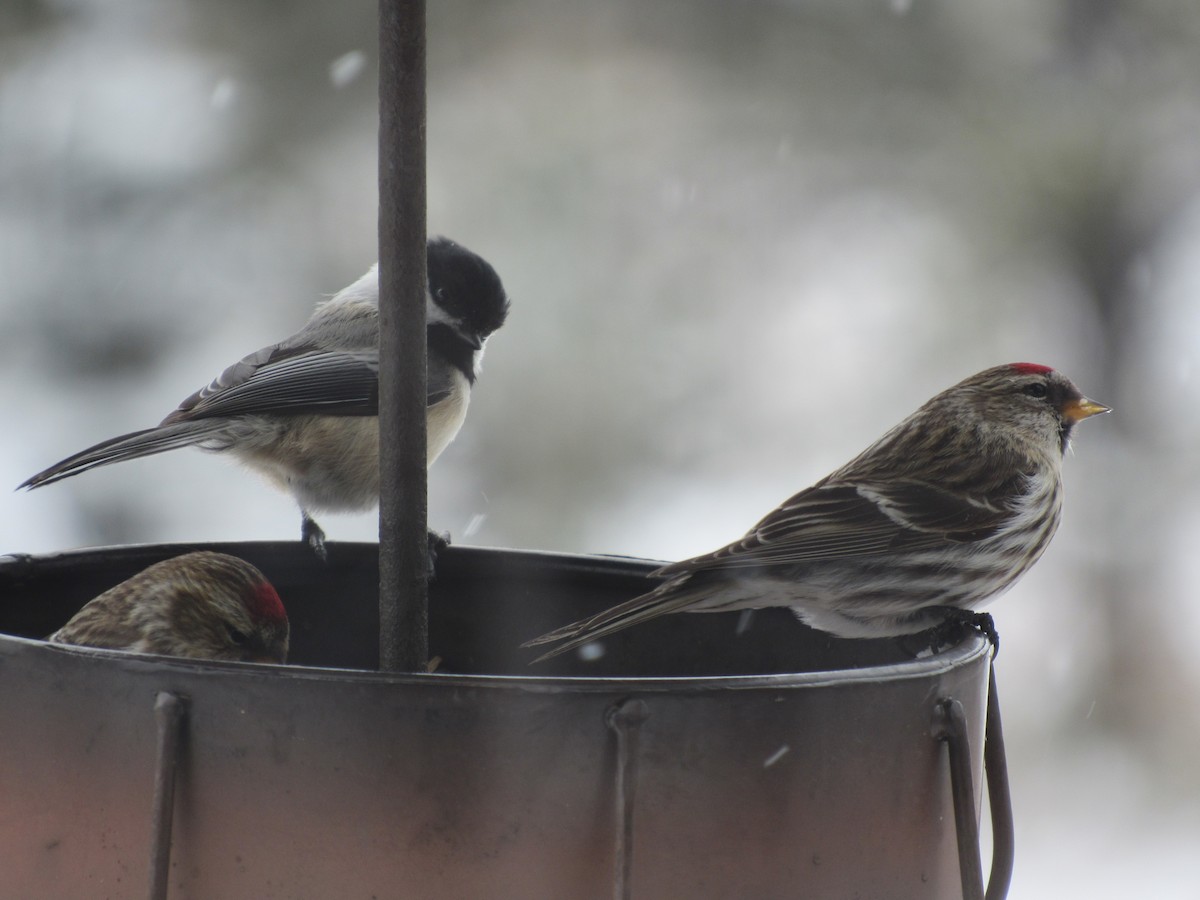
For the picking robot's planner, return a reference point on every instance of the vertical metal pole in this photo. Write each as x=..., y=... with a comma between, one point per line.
x=168, y=713
x=403, y=548
x=626, y=720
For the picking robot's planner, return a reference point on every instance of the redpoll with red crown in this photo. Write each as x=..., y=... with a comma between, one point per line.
x=944, y=512
x=201, y=605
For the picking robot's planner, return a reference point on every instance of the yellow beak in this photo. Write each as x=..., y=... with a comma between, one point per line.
x=1082, y=409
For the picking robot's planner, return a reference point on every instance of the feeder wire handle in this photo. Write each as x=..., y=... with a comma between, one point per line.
x=950, y=727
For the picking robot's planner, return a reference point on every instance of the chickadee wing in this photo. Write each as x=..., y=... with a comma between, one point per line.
x=237, y=374
x=839, y=520
x=290, y=380
x=337, y=383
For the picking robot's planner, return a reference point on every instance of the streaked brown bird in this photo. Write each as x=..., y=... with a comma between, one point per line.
x=200, y=605
x=944, y=512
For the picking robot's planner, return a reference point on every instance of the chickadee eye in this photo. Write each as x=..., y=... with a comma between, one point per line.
x=1037, y=390
x=238, y=637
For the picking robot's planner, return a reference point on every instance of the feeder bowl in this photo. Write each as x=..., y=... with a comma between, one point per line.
x=728, y=755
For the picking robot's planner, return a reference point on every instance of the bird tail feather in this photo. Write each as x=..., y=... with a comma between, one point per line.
x=127, y=446
x=665, y=599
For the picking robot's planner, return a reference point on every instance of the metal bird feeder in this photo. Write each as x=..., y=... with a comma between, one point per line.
x=699, y=756
x=720, y=755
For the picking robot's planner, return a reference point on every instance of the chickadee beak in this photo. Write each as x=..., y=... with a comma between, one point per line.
x=473, y=340
x=1078, y=410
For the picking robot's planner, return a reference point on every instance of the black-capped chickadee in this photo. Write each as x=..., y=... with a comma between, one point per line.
x=304, y=412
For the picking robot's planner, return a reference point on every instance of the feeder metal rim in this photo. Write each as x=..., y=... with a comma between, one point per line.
x=601, y=560
x=963, y=654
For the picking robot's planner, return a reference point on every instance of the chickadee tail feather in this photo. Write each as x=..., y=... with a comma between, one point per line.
x=127, y=446
x=663, y=600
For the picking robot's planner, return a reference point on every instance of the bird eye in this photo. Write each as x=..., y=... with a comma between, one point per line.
x=238, y=637
x=1036, y=390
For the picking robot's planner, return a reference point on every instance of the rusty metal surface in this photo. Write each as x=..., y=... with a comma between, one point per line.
x=301, y=781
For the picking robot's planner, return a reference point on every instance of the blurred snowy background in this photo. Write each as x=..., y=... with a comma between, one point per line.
x=741, y=238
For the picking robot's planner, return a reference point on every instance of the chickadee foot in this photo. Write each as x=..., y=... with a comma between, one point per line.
x=955, y=624
x=437, y=543
x=313, y=535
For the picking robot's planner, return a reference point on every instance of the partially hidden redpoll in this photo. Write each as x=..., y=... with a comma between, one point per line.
x=200, y=605
x=945, y=511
